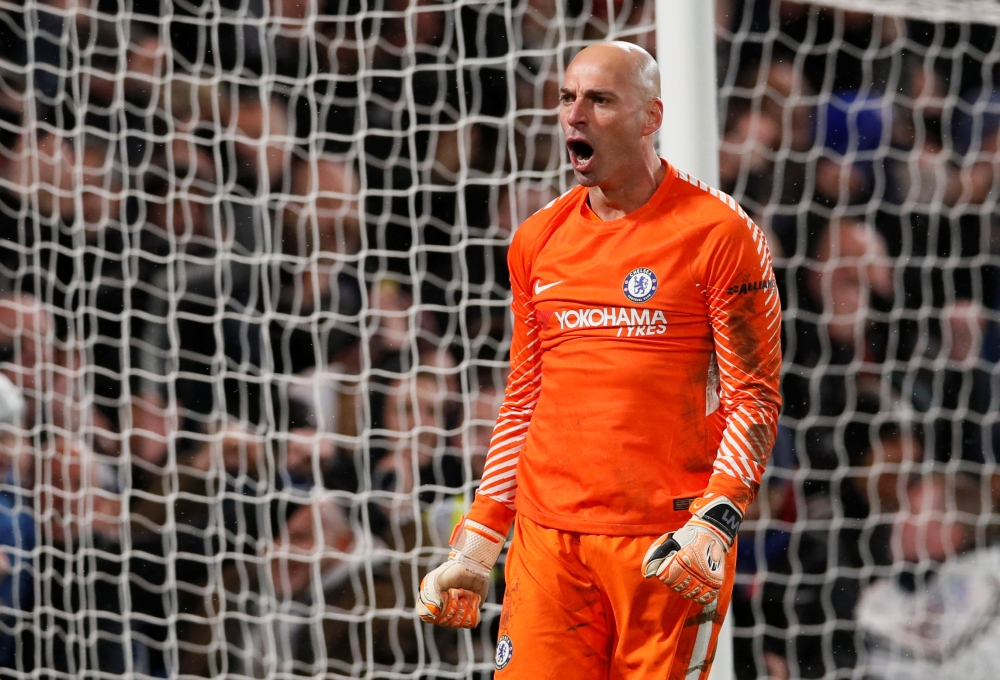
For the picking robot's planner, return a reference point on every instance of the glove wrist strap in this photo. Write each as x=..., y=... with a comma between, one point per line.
x=477, y=542
x=723, y=516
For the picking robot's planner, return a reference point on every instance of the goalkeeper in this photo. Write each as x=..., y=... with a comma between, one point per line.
x=640, y=410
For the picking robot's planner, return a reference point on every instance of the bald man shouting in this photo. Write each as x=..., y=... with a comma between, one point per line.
x=640, y=412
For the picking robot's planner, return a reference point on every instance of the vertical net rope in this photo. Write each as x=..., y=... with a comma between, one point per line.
x=865, y=145
x=253, y=320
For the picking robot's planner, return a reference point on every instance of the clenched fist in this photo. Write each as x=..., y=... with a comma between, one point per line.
x=692, y=560
x=452, y=594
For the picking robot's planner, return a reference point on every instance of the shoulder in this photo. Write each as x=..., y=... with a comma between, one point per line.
x=725, y=246
x=712, y=216
x=535, y=230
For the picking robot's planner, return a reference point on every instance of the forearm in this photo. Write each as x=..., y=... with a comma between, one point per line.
x=493, y=505
x=746, y=329
x=743, y=453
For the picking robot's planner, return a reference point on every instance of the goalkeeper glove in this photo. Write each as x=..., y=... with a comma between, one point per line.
x=692, y=559
x=451, y=594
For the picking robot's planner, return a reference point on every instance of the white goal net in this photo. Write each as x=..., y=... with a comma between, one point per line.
x=253, y=324
x=253, y=320
x=866, y=145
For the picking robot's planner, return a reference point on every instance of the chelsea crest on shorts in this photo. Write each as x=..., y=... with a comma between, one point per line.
x=640, y=284
x=505, y=651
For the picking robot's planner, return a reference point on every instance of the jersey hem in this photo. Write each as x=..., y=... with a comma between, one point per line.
x=672, y=521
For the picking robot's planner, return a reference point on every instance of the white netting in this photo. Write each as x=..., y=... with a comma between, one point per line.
x=867, y=148
x=253, y=290
x=967, y=11
x=254, y=298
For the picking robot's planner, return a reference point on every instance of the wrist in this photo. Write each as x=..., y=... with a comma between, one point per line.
x=720, y=515
x=492, y=513
x=472, y=542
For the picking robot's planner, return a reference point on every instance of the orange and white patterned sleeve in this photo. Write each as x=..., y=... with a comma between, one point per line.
x=734, y=269
x=494, y=502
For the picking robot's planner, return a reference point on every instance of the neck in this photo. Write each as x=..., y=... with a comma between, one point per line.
x=631, y=189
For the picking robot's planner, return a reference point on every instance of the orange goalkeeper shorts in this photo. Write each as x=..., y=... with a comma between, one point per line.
x=577, y=606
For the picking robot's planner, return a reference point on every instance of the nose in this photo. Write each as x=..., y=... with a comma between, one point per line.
x=575, y=113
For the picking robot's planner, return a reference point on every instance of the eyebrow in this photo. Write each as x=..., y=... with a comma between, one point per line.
x=589, y=93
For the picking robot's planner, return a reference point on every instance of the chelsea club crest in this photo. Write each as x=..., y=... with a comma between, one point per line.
x=640, y=284
x=505, y=651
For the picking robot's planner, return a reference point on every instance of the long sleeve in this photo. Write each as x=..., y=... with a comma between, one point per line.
x=745, y=316
x=494, y=502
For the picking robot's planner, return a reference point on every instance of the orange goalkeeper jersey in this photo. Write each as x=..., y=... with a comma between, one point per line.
x=645, y=363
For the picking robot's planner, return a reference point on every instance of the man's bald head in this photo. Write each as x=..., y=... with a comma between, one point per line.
x=628, y=61
x=610, y=110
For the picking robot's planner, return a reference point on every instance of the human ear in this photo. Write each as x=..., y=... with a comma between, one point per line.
x=654, y=116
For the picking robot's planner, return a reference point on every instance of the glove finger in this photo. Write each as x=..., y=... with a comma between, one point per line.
x=707, y=597
x=682, y=580
x=469, y=613
x=658, y=553
x=427, y=608
x=460, y=609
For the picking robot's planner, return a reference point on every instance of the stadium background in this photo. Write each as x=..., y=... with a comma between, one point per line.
x=254, y=298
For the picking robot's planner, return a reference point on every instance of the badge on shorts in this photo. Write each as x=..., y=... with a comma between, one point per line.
x=505, y=651
x=640, y=284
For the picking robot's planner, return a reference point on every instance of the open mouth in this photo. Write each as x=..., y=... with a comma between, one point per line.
x=581, y=150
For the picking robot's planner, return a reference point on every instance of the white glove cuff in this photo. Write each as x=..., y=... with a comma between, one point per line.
x=477, y=542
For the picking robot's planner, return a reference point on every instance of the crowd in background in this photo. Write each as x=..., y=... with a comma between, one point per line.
x=866, y=147
x=253, y=317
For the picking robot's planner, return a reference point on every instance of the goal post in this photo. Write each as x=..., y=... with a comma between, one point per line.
x=685, y=53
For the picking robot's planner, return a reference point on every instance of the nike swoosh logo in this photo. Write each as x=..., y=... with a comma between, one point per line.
x=539, y=287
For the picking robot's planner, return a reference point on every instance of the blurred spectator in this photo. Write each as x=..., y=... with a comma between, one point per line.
x=746, y=152
x=261, y=141
x=179, y=186
x=884, y=472
x=74, y=511
x=175, y=549
x=537, y=140
x=629, y=17
x=846, y=282
x=415, y=414
x=923, y=176
x=473, y=441
x=146, y=70
x=322, y=215
x=851, y=269
x=292, y=566
x=37, y=166
x=26, y=343
x=833, y=388
x=517, y=203
x=307, y=553
x=17, y=528
x=940, y=520
x=479, y=428
x=768, y=127
x=101, y=192
x=937, y=618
